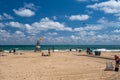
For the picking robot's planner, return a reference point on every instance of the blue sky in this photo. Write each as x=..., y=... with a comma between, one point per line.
x=79, y=22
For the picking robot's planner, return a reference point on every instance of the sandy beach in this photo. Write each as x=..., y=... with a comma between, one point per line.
x=59, y=66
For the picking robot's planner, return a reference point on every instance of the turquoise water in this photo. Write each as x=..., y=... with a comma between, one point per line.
x=59, y=47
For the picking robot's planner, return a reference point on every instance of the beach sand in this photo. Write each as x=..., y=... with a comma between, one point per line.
x=59, y=66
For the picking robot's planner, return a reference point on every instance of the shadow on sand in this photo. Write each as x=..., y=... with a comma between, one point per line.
x=108, y=58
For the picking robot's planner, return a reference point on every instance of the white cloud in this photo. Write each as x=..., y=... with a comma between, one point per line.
x=83, y=33
x=4, y=35
x=102, y=20
x=17, y=37
x=52, y=33
x=54, y=17
x=18, y=34
x=79, y=17
x=5, y=16
x=90, y=27
x=11, y=38
x=43, y=25
x=111, y=6
x=96, y=39
x=75, y=37
x=117, y=31
x=119, y=18
x=46, y=24
x=15, y=24
x=27, y=11
x=89, y=11
x=24, y=12
x=106, y=23
x=30, y=6
x=92, y=33
x=2, y=25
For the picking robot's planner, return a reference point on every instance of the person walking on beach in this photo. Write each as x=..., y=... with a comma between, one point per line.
x=53, y=48
x=14, y=51
x=117, y=59
x=88, y=50
x=49, y=52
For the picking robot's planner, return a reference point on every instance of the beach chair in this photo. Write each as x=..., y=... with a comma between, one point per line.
x=109, y=66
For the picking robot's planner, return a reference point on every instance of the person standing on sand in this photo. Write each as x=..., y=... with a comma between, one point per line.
x=53, y=48
x=49, y=52
x=14, y=51
x=117, y=59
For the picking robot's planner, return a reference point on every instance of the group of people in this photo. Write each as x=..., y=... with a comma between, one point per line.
x=116, y=58
x=38, y=48
x=89, y=51
x=12, y=51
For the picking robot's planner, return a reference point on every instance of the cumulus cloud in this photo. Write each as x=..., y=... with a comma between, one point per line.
x=17, y=37
x=2, y=25
x=4, y=34
x=43, y=25
x=82, y=33
x=24, y=12
x=106, y=23
x=52, y=33
x=90, y=27
x=46, y=24
x=15, y=24
x=27, y=11
x=30, y=6
x=6, y=16
x=79, y=17
x=75, y=37
x=96, y=39
x=117, y=31
x=102, y=20
x=111, y=6
x=19, y=34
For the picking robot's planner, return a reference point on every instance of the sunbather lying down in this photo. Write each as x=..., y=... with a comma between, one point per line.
x=45, y=54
